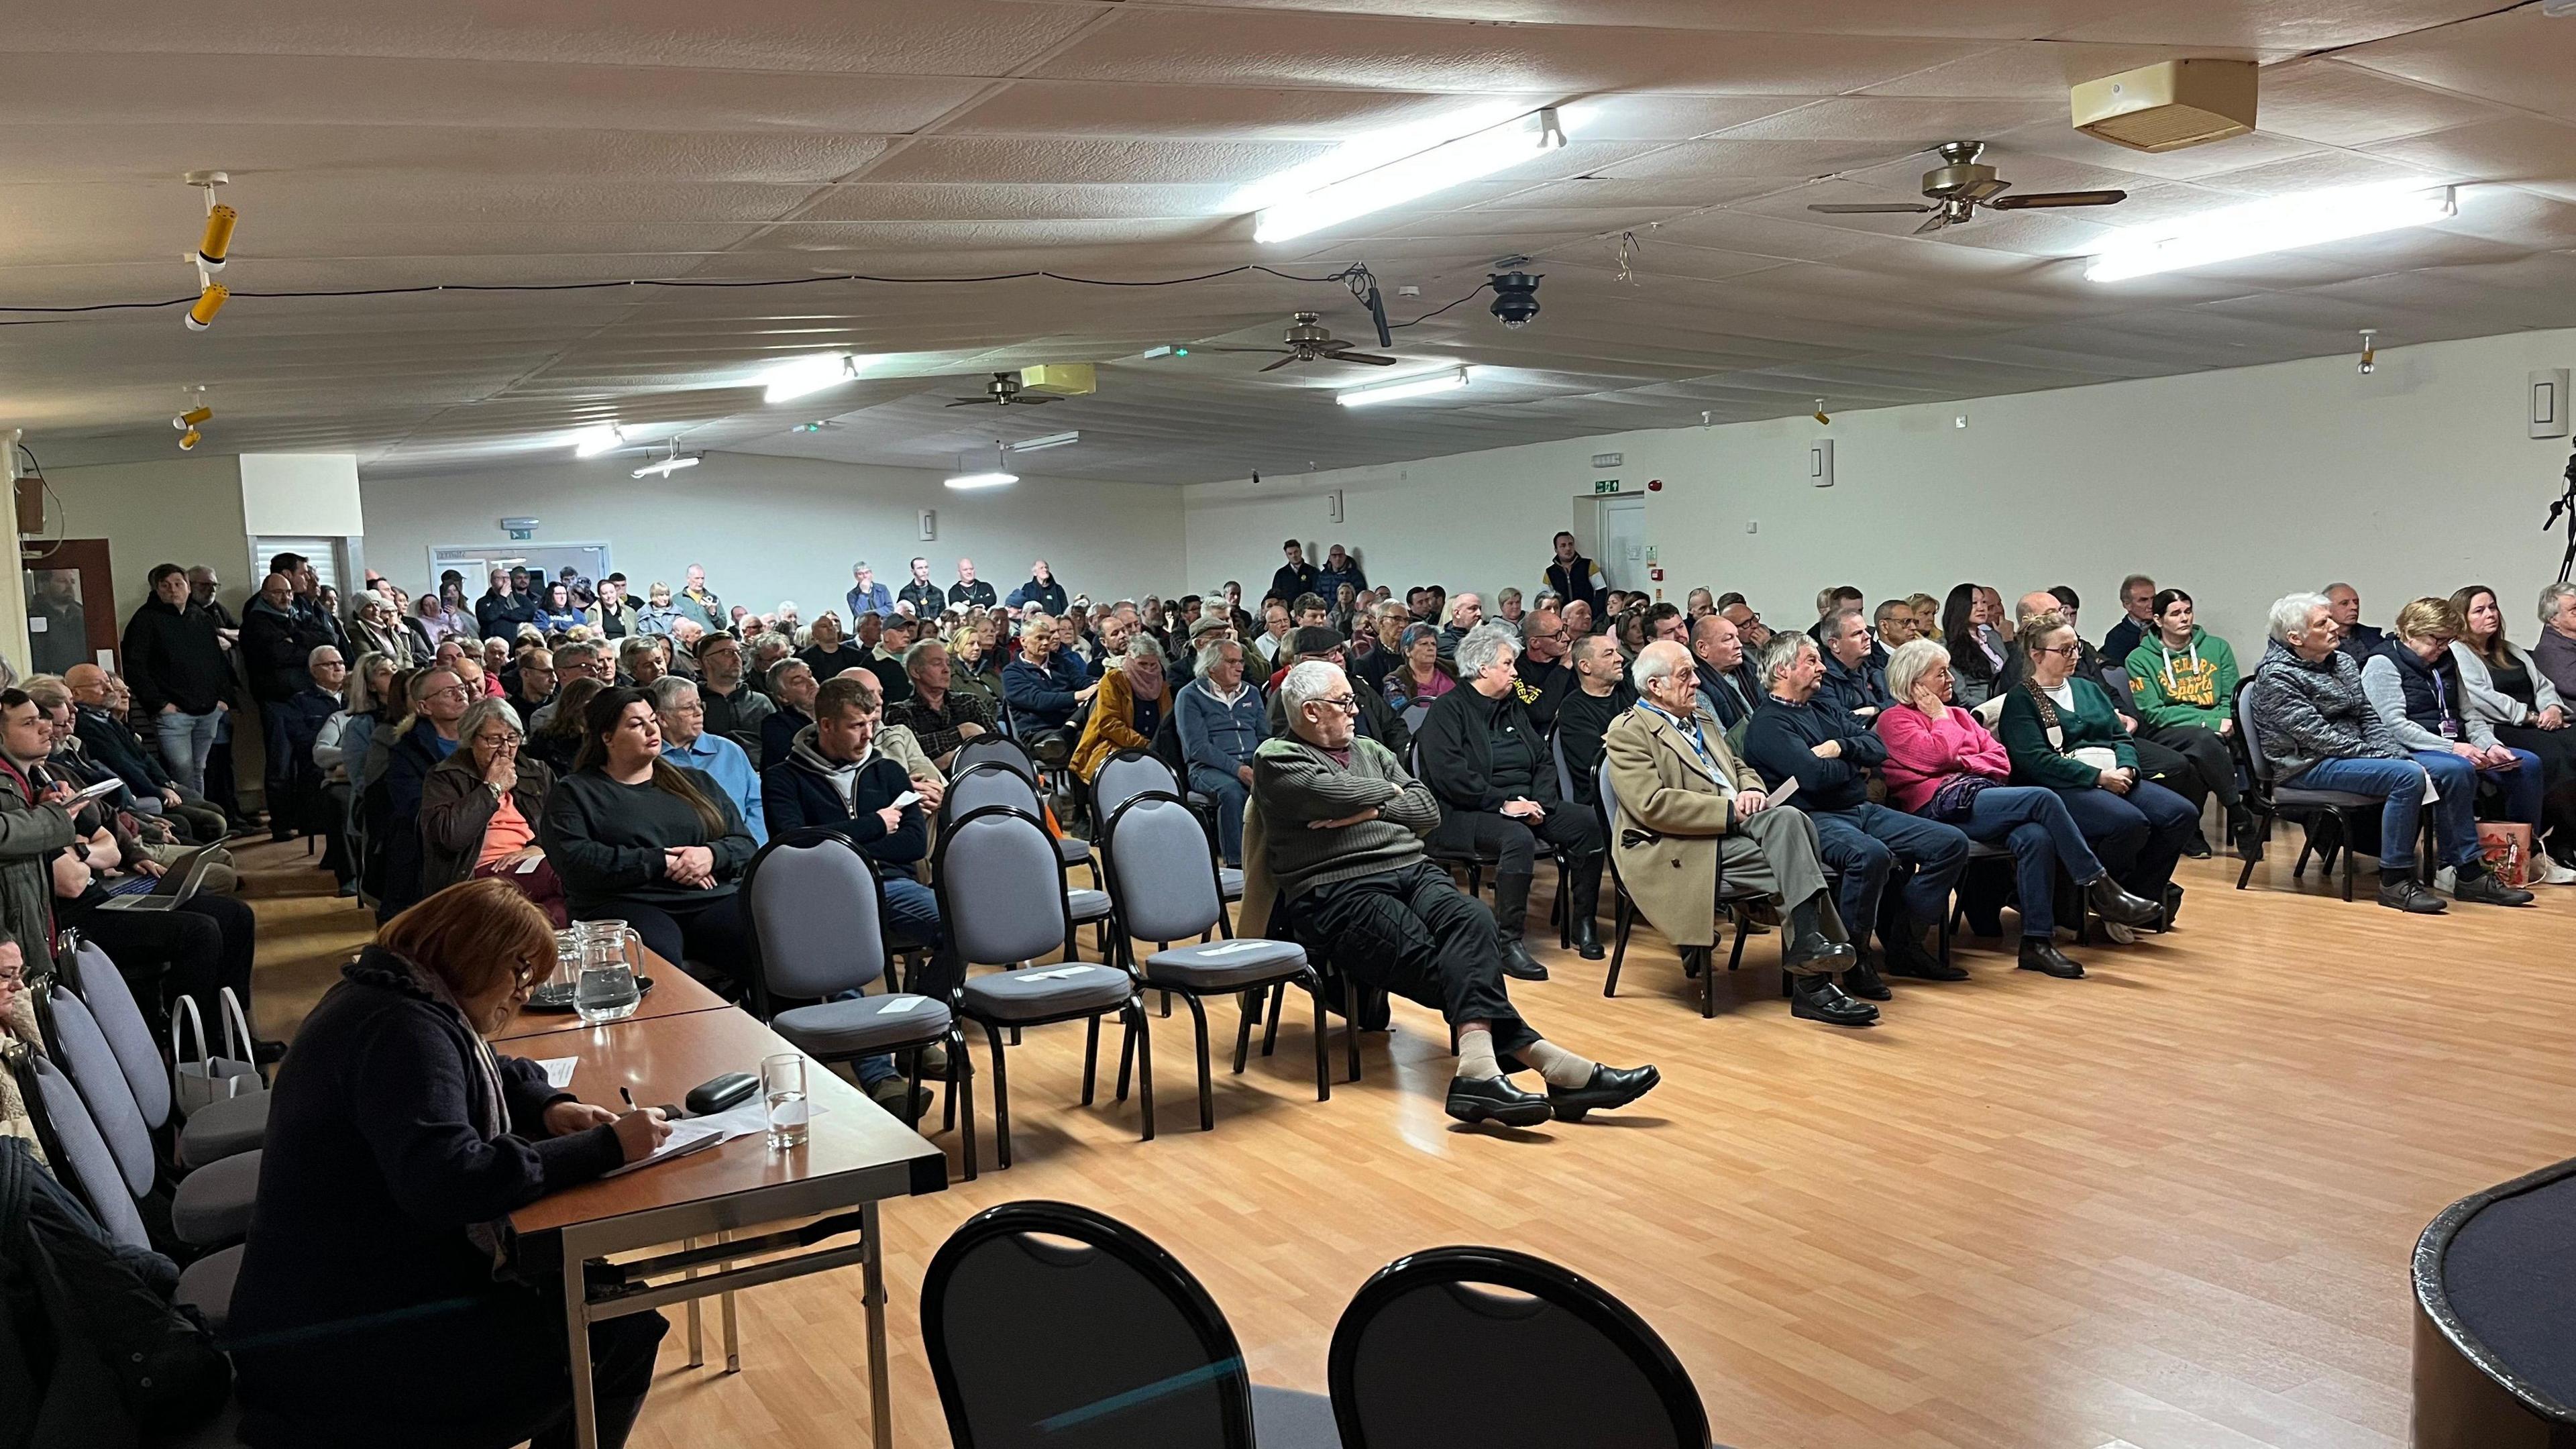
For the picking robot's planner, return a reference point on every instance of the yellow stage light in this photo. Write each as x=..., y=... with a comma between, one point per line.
x=209, y=302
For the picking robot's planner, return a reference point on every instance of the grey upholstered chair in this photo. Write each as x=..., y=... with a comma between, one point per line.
x=1130, y=773
x=218, y=1130
x=994, y=783
x=1162, y=877
x=1002, y=902
x=210, y=1207
x=817, y=914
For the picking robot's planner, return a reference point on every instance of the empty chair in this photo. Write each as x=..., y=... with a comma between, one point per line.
x=1162, y=879
x=1124, y=776
x=995, y=783
x=1002, y=901
x=95, y=979
x=1052, y=1325
x=210, y=1207
x=990, y=749
x=817, y=915
x=1415, y=1358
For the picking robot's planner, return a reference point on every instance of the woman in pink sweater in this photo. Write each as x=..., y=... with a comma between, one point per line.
x=1943, y=765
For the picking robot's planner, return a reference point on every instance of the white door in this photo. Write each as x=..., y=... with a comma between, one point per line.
x=1621, y=527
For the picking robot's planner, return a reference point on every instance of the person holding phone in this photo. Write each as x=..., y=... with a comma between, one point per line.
x=380, y=1273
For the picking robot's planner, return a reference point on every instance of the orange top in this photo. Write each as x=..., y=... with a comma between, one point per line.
x=508, y=834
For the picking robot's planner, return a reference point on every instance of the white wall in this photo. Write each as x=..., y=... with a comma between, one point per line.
x=312, y=495
x=2238, y=486
x=770, y=529
x=185, y=511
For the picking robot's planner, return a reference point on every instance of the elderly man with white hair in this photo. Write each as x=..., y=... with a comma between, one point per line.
x=1686, y=804
x=2318, y=730
x=1339, y=829
x=687, y=741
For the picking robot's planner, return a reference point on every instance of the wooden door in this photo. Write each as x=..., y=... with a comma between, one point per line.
x=71, y=604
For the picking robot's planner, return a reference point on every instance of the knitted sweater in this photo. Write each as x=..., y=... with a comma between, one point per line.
x=1924, y=750
x=2311, y=710
x=1295, y=784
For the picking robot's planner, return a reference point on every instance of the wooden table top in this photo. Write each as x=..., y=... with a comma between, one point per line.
x=675, y=993
x=659, y=1059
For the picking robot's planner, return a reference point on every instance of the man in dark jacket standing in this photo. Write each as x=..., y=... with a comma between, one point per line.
x=277, y=644
x=502, y=609
x=174, y=658
x=1296, y=577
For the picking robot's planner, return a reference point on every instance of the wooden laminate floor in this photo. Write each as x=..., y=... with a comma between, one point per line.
x=2171, y=1204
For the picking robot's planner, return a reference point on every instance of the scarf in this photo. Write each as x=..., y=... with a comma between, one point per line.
x=491, y=1111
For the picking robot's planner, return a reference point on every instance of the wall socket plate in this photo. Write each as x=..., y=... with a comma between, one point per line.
x=1820, y=462
x=2546, y=399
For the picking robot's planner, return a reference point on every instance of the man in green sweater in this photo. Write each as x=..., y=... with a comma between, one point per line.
x=1339, y=830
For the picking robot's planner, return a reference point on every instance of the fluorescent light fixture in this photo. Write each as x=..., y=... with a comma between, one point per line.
x=791, y=380
x=591, y=442
x=994, y=479
x=1422, y=385
x=1380, y=180
x=1051, y=440
x=665, y=467
x=2278, y=225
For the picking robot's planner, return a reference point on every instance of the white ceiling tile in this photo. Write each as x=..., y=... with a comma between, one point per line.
x=2338, y=102
x=2518, y=58
x=2272, y=24
x=2524, y=150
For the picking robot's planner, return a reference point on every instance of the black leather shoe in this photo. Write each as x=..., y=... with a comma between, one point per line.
x=1817, y=998
x=2409, y=895
x=267, y=1053
x=2045, y=958
x=2119, y=907
x=1812, y=949
x=1609, y=1087
x=1518, y=964
x=2485, y=889
x=1587, y=940
x=2195, y=849
x=1495, y=1099
x=2247, y=837
x=1864, y=982
x=1902, y=955
x=2173, y=907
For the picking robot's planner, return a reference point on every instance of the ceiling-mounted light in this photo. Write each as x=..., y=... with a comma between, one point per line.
x=591, y=442
x=1820, y=415
x=669, y=463
x=2281, y=224
x=201, y=314
x=1313, y=197
x=1051, y=440
x=791, y=380
x=193, y=416
x=2369, y=351
x=998, y=476
x=1171, y=349
x=1421, y=385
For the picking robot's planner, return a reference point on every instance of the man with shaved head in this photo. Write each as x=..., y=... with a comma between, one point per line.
x=113, y=743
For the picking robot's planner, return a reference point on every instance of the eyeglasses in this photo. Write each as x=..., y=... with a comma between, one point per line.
x=1346, y=703
x=453, y=691
x=2069, y=650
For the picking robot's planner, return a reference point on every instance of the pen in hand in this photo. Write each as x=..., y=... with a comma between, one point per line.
x=629, y=1098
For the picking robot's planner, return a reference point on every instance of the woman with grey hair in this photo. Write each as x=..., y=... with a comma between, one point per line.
x=2555, y=654
x=1496, y=781
x=1943, y=765
x=1420, y=675
x=480, y=809
x=1135, y=698
x=1221, y=720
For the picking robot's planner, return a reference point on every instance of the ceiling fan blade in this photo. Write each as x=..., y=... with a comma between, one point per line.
x=1235, y=349
x=1031, y=399
x=968, y=402
x=1985, y=190
x=1283, y=362
x=1369, y=358
x=2058, y=198
x=1938, y=221
x=1873, y=208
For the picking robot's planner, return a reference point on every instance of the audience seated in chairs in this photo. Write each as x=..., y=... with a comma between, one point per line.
x=835, y=780
x=687, y=742
x=2062, y=732
x=481, y=808
x=791, y=687
x=1220, y=720
x=2414, y=682
x=1721, y=674
x=2523, y=707
x=1340, y=827
x=1376, y=720
x=427, y=735
x=1387, y=622
x=2555, y=655
x=530, y=685
x=1545, y=674
x=899, y=744
x=2182, y=679
x=1943, y=765
x=1134, y=701
x=2318, y=729
x=112, y=742
x=1685, y=804
x=1799, y=735
x=1489, y=767
x=1043, y=687
x=1976, y=652
x=2359, y=640
x=1419, y=674
x=1855, y=667
x=1601, y=693
x=397, y=1147
x=2137, y=619
x=639, y=839
x=556, y=738
x=733, y=708
x=940, y=715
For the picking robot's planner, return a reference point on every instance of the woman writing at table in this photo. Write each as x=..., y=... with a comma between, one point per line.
x=377, y=1302
x=638, y=839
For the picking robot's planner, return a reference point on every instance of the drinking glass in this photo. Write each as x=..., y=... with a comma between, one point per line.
x=555, y=992
x=611, y=952
x=782, y=1085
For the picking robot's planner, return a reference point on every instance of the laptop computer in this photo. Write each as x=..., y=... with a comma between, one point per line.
x=175, y=886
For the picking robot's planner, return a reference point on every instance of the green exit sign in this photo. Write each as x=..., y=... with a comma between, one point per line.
x=1605, y=485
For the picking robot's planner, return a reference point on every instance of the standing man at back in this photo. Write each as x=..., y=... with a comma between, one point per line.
x=1295, y=577
x=175, y=663
x=926, y=598
x=1571, y=576
x=970, y=592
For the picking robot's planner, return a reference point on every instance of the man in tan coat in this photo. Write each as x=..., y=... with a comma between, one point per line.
x=1685, y=803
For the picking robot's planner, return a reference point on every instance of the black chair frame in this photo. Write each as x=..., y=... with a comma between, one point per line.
x=1475, y=866
x=1735, y=900
x=2328, y=829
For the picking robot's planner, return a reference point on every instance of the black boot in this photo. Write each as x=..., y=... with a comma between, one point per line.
x=2119, y=907
x=2399, y=890
x=1808, y=943
x=1511, y=908
x=2040, y=954
x=1901, y=955
x=1864, y=982
x=2244, y=833
x=1817, y=998
x=1586, y=891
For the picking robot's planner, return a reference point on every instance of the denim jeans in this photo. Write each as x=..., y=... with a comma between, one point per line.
x=1230, y=793
x=2400, y=786
x=2521, y=788
x=2455, y=821
x=186, y=740
x=2139, y=835
x=2032, y=822
x=1866, y=843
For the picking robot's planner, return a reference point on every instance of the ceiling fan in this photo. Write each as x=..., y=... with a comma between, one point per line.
x=1958, y=186
x=1004, y=390
x=1309, y=340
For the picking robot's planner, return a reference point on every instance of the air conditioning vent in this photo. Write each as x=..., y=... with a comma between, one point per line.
x=2169, y=105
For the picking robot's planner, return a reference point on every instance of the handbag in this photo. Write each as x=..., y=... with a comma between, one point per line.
x=1953, y=798
x=205, y=1078
x=2506, y=847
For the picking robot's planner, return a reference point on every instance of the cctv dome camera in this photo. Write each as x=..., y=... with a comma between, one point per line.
x=1515, y=298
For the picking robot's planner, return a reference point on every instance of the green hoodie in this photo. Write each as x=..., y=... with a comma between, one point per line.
x=2194, y=685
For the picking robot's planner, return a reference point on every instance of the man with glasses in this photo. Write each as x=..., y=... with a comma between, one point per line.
x=686, y=740
x=1338, y=830
x=1373, y=717
x=439, y=697
x=1546, y=674
x=734, y=709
